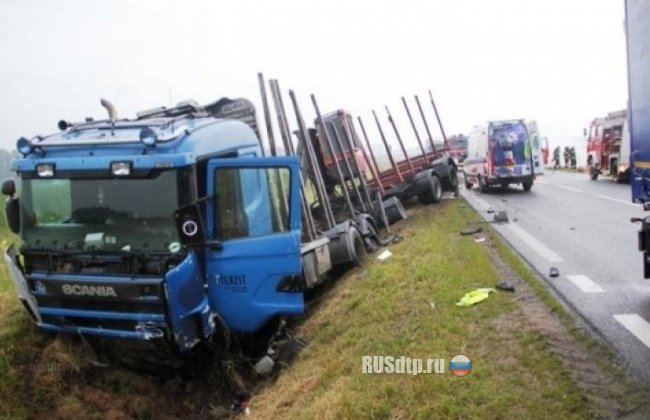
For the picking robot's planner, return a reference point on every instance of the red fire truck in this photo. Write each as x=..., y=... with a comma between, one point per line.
x=608, y=146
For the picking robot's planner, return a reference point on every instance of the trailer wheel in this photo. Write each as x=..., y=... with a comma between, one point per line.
x=527, y=185
x=357, y=246
x=431, y=190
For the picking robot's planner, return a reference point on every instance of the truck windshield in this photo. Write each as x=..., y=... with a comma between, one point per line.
x=103, y=214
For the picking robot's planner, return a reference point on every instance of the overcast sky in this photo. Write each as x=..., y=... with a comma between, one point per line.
x=559, y=62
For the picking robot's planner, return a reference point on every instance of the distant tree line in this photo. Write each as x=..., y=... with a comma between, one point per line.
x=5, y=163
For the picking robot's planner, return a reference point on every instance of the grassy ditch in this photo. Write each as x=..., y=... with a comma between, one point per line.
x=406, y=306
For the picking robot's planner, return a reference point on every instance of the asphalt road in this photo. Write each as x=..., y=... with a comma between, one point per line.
x=583, y=228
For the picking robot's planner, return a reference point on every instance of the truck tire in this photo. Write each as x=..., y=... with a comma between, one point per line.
x=527, y=185
x=432, y=193
x=468, y=185
x=482, y=185
x=593, y=173
x=357, y=247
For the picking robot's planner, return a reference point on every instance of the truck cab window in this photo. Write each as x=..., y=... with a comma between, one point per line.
x=251, y=202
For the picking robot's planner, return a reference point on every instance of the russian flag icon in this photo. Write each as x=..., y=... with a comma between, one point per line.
x=460, y=365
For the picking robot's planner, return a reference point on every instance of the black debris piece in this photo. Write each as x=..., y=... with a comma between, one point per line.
x=506, y=286
x=501, y=217
x=471, y=230
x=554, y=272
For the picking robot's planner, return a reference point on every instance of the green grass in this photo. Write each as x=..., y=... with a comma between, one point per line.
x=382, y=309
x=387, y=311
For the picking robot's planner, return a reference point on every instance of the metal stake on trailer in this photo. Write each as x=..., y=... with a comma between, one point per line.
x=318, y=180
x=328, y=142
x=442, y=130
x=415, y=130
x=326, y=134
x=390, y=154
x=399, y=139
x=373, y=165
x=267, y=115
x=426, y=126
x=284, y=205
x=351, y=138
x=286, y=138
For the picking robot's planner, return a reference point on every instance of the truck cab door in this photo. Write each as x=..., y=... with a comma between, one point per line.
x=254, y=217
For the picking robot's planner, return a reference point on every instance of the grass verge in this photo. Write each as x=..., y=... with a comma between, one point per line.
x=406, y=306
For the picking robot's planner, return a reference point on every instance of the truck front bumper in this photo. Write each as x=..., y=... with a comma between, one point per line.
x=173, y=308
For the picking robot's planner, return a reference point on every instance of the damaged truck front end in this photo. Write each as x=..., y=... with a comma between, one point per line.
x=162, y=232
x=101, y=256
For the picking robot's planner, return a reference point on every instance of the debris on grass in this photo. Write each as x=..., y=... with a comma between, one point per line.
x=471, y=230
x=479, y=240
x=505, y=286
x=386, y=254
x=554, y=272
x=475, y=296
x=433, y=305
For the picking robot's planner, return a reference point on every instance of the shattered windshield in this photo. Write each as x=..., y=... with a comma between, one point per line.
x=126, y=214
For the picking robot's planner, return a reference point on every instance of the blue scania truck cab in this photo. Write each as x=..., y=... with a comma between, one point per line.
x=163, y=229
x=637, y=30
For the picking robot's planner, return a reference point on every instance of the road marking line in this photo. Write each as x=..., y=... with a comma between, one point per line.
x=636, y=325
x=616, y=200
x=585, y=284
x=544, y=251
x=566, y=187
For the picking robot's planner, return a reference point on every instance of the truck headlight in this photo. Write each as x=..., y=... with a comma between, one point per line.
x=121, y=168
x=45, y=170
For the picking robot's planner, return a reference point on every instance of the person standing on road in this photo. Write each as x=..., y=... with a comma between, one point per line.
x=572, y=157
x=566, y=157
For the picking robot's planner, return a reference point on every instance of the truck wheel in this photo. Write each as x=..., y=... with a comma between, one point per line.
x=593, y=173
x=527, y=185
x=482, y=185
x=432, y=194
x=468, y=185
x=357, y=247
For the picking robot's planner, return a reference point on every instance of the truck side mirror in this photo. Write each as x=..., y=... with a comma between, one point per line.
x=189, y=225
x=12, y=207
x=8, y=187
x=12, y=214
